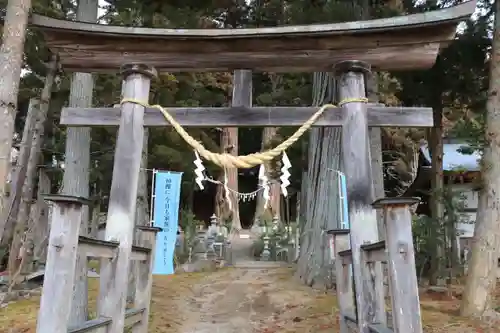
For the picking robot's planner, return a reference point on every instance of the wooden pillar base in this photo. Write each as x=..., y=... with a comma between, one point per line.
x=145, y=70
x=353, y=66
x=357, y=167
x=123, y=195
x=55, y=303
x=144, y=280
x=401, y=261
x=343, y=276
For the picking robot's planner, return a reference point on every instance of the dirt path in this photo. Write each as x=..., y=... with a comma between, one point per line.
x=260, y=300
x=252, y=297
x=247, y=300
x=235, y=304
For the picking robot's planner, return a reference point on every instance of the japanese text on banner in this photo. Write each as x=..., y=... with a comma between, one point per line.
x=166, y=213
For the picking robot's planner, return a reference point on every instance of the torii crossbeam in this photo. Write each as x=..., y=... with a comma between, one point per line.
x=378, y=116
x=405, y=42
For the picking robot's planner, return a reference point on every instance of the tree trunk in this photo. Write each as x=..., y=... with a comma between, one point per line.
x=221, y=210
x=76, y=182
x=437, y=187
x=483, y=265
x=21, y=243
x=42, y=216
x=301, y=213
x=322, y=207
x=242, y=96
x=451, y=218
x=376, y=156
x=322, y=198
x=230, y=145
x=18, y=175
x=11, y=58
x=272, y=169
x=77, y=165
x=14, y=154
x=375, y=135
x=94, y=221
x=141, y=212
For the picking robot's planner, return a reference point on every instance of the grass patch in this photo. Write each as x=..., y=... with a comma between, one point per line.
x=94, y=265
x=20, y=316
x=166, y=316
x=440, y=316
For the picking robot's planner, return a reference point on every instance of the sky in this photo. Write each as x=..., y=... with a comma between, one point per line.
x=100, y=11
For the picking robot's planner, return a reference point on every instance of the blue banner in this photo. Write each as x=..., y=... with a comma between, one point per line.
x=343, y=196
x=167, y=194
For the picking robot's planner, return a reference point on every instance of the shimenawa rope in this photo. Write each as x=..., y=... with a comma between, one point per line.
x=243, y=161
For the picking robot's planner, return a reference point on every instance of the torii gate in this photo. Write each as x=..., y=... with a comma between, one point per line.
x=349, y=49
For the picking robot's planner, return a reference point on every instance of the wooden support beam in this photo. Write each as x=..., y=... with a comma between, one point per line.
x=385, y=57
x=372, y=254
x=350, y=317
x=123, y=196
x=133, y=317
x=97, y=248
x=89, y=247
x=378, y=116
x=343, y=274
x=345, y=256
x=375, y=252
x=144, y=280
x=379, y=328
x=55, y=304
x=357, y=166
x=402, y=272
x=101, y=325
x=140, y=253
x=98, y=325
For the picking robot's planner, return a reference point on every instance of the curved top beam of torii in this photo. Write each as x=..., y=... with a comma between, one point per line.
x=397, y=43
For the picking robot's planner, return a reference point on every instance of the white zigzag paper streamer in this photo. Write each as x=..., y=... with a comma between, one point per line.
x=226, y=191
x=265, y=185
x=199, y=171
x=285, y=175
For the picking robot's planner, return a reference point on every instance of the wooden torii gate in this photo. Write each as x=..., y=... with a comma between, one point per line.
x=350, y=49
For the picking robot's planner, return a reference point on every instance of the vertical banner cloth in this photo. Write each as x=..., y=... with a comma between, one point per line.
x=343, y=201
x=166, y=213
x=343, y=209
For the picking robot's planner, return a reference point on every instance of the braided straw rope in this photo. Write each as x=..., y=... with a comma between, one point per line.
x=244, y=161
